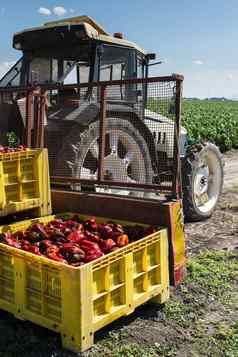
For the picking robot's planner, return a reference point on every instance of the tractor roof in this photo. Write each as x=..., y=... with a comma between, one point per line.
x=92, y=29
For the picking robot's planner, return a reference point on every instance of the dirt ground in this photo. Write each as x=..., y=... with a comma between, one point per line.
x=231, y=168
x=220, y=231
x=199, y=320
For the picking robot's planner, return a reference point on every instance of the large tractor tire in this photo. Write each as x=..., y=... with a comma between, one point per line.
x=127, y=156
x=202, y=174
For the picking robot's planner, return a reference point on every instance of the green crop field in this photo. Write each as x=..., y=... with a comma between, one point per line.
x=208, y=120
x=216, y=121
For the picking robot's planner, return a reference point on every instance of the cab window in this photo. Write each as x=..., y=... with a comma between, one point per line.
x=114, y=63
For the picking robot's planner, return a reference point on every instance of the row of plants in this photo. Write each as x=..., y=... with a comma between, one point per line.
x=205, y=120
x=215, y=121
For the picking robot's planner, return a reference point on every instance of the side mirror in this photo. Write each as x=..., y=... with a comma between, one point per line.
x=151, y=57
x=100, y=51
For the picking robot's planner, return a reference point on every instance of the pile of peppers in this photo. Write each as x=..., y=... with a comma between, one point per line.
x=74, y=241
x=7, y=149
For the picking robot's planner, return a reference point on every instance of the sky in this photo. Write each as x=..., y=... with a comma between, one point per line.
x=195, y=38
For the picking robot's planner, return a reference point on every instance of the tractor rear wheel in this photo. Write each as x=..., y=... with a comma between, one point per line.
x=202, y=173
x=127, y=155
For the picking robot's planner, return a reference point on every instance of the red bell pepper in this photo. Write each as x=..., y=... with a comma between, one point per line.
x=107, y=245
x=53, y=253
x=91, y=225
x=76, y=236
x=105, y=231
x=44, y=244
x=10, y=240
x=87, y=245
x=122, y=240
x=90, y=257
x=57, y=258
x=72, y=252
x=39, y=228
x=93, y=237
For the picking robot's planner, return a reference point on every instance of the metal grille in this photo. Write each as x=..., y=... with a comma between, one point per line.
x=70, y=135
x=22, y=111
x=117, y=137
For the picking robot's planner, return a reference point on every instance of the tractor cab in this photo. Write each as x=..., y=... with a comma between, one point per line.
x=75, y=51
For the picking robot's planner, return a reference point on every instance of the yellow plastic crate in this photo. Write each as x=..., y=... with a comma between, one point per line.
x=76, y=302
x=24, y=182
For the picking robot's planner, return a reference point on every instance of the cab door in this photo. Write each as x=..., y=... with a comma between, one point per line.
x=117, y=63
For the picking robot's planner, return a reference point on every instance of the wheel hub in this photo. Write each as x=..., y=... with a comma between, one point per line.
x=115, y=168
x=124, y=162
x=201, y=183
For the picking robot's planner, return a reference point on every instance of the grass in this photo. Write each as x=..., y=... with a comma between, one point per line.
x=203, y=312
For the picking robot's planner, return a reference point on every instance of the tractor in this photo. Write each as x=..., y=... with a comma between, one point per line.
x=79, y=51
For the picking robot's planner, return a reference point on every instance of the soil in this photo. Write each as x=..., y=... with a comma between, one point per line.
x=231, y=169
x=221, y=230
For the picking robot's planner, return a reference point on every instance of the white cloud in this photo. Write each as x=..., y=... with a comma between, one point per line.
x=59, y=10
x=72, y=11
x=198, y=62
x=44, y=11
x=229, y=76
x=210, y=83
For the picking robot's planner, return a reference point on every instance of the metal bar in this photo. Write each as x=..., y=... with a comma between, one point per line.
x=78, y=78
x=155, y=64
x=10, y=69
x=174, y=77
x=29, y=119
x=145, y=211
x=70, y=180
x=177, y=179
x=36, y=121
x=39, y=111
x=102, y=134
x=41, y=120
x=163, y=190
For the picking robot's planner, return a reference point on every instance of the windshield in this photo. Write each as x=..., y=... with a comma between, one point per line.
x=119, y=63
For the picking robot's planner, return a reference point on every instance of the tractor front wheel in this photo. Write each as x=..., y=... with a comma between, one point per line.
x=202, y=174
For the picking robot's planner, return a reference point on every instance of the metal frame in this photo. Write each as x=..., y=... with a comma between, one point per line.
x=173, y=77
x=35, y=108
